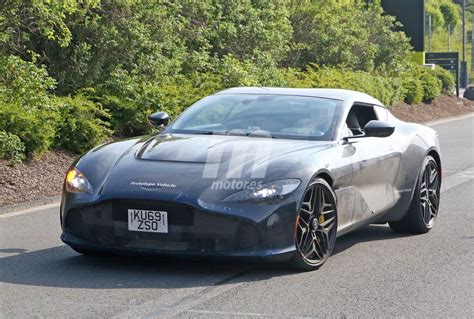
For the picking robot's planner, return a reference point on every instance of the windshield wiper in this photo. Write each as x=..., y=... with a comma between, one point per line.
x=230, y=133
x=202, y=132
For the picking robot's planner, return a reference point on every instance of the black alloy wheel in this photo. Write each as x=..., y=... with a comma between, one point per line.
x=424, y=207
x=316, y=226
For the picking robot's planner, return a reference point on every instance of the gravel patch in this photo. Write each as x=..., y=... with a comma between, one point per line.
x=35, y=179
x=441, y=107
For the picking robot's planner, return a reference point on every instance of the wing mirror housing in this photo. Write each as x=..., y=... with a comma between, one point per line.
x=374, y=128
x=159, y=119
x=378, y=129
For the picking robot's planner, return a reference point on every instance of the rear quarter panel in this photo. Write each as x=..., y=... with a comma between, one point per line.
x=415, y=142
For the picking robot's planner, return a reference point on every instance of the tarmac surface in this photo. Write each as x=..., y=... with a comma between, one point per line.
x=373, y=272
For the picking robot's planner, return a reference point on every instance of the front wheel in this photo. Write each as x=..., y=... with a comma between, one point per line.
x=424, y=206
x=316, y=226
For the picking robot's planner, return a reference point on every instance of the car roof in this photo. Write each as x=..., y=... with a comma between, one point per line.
x=336, y=94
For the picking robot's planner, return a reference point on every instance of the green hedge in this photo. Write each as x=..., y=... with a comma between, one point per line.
x=413, y=90
x=83, y=124
x=34, y=126
x=11, y=147
x=447, y=79
x=432, y=86
x=32, y=120
x=33, y=123
x=389, y=90
x=413, y=86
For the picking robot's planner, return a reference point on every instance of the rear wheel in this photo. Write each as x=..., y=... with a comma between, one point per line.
x=424, y=206
x=316, y=226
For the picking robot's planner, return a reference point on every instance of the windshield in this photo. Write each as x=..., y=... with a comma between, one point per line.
x=276, y=116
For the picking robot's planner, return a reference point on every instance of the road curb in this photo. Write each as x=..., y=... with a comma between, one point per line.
x=449, y=119
x=27, y=205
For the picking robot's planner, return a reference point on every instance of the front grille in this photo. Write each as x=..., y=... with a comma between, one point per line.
x=189, y=229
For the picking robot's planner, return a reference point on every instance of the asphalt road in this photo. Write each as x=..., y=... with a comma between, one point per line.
x=373, y=272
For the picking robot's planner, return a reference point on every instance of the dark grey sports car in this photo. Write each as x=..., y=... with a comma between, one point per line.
x=255, y=172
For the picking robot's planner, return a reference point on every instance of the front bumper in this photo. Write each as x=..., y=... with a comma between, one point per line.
x=192, y=231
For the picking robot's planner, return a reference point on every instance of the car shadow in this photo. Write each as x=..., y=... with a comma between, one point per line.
x=368, y=233
x=62, y=267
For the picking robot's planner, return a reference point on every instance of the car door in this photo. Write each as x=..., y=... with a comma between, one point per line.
x=375, y=164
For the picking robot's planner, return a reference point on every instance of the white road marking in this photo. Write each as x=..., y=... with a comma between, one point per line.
x=244, y=314
x=457, y=179
x=87, y=304
x=168, y=306
x=30, y=210
x=224, y=314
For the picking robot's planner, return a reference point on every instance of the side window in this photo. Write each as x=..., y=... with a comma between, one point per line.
x=358, y=116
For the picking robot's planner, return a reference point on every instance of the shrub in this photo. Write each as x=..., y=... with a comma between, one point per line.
x=128, y=100
x=83, y=124
x=431, y=84
x=413, y=91
x=26, y=108
x=131, y=98
x=261, y=71
x=388, y=90
x=11, y=147
x=24, y=82
x=447, y=79
x=35, y=127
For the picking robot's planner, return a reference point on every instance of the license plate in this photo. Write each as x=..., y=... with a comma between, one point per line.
x=147, y=221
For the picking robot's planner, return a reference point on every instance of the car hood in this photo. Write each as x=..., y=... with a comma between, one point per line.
x=170, y=165
x=218, y=148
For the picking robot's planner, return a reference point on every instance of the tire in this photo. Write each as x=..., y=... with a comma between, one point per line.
x=424, y=206
x=316, y=226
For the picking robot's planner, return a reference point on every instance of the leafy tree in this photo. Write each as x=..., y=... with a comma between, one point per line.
x=450, y=13
x=354, y=35
x=22, y=23
x=437, y=18
x=239, y=28
x=443, y=13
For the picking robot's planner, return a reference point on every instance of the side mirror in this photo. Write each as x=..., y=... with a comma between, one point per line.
x=373, y=129
x=159, y=119
x=378, y=129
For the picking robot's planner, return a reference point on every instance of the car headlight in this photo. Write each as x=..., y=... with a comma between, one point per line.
x=268, y=193
x=76, y=182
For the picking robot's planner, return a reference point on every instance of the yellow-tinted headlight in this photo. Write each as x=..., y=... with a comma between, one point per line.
x=76, y=182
